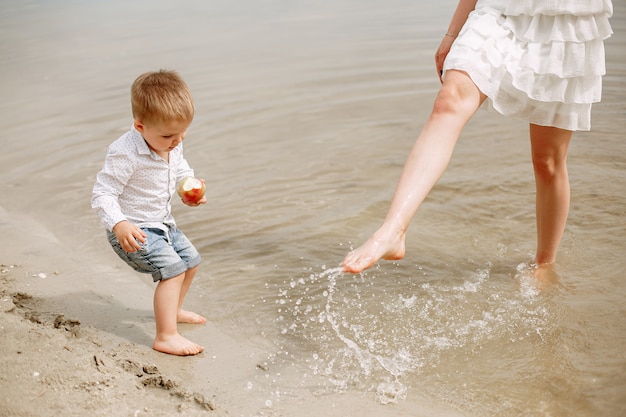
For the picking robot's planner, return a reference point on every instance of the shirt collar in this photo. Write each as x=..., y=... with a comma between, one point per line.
x=140, y=143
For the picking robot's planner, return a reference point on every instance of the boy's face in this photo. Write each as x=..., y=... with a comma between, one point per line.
x=162, y=137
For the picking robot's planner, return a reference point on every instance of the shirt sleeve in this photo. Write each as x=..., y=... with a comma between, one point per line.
x=182, y=166
x=110, y=182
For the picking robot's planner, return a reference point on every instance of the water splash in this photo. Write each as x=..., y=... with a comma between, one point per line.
x=375, y=333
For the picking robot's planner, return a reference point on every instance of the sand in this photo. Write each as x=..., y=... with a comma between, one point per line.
x=54, y=364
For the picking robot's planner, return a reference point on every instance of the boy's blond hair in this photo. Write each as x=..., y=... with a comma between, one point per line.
x=161, y=96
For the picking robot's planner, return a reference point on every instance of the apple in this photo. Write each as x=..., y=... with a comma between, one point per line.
x=191, y=190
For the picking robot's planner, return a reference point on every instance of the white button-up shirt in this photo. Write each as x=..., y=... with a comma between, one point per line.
x=137, y=185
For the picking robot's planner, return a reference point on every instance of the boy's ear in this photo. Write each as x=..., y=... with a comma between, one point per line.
x=138, y=125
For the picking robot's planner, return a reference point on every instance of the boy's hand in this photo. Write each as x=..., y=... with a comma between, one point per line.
x=194, y=204
x=128, y=234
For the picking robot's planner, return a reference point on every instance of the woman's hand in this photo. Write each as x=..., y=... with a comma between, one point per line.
x=442, y=53
x=463, y=10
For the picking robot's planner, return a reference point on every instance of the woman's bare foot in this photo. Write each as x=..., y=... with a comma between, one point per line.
x=379, y=245
x=545, y=274
x=176, y=345
x=185, y=316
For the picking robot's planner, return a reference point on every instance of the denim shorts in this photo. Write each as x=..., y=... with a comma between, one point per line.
x=164, y=255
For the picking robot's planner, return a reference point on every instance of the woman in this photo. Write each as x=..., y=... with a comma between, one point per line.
x=536, y=60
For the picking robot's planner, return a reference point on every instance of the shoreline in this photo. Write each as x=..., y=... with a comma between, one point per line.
x=77, y=341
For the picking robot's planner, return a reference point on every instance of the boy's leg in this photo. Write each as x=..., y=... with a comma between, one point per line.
x=159, y=258
x=190, y=256
x=185, y=316
x=457, y=101
x=549, y=155
x=166, y=305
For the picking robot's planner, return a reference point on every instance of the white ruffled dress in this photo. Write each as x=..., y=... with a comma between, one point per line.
x=541, y=61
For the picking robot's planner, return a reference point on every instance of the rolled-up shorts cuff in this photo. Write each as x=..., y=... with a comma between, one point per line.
x=176, y=269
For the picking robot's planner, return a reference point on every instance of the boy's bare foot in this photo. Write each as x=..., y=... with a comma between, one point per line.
x=185, y=316
x=176, y=345
x=376, y=247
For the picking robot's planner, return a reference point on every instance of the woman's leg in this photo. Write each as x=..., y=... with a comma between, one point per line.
x=456, y=102
x=549, y=155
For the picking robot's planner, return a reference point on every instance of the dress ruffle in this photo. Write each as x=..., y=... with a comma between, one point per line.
x=546, y=69
x=560, y=28
x=555, y=7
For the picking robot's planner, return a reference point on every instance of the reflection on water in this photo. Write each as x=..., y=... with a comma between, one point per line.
x=305, y=113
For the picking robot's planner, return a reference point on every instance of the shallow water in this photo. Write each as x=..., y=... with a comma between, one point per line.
x=305, y=114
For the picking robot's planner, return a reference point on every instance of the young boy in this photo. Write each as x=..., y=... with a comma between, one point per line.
x=133, y=194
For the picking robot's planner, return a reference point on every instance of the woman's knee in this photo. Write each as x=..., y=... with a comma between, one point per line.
x=544, y=166
x=457, y=95
x=447, y=101
x=549, y=151
x=549, y=165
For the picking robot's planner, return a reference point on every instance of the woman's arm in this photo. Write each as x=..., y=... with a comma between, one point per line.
x=463, y=9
